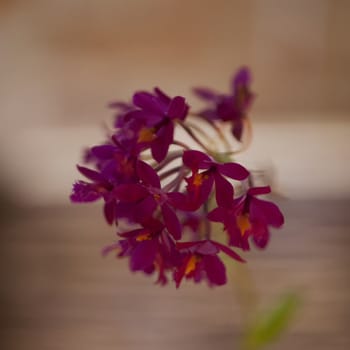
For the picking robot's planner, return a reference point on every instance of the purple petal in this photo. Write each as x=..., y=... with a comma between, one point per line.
x=130, y=193
x=209, y=114
x=255, y=191
x=207, y=248
x=90, y=174
x=147, y=174
x=180, y=201
x=205, y=94
x=171, y=222
x=215, y=269
x=242, y=77
x=233, y=170
x=160, y=145
x=228, y=251
x=143, y=255
x=217, y=215
x=235, y=236
x=237, y=129
x=187, y=245
x=223, y=191
x=143, y=210
x=103, y=151
x=109, y=211
x=265, y=211
x=177, y=108
x=84, y=192
x=162, y=96
x=199, y=193
x=261, y=236
x=193, y=159
x=147, y=102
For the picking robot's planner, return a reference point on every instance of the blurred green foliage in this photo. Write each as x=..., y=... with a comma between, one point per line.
x=269, y=325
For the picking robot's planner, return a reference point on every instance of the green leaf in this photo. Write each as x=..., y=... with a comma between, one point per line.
x=269, y=325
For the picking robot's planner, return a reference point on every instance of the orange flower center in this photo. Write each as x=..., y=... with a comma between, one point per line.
x=143, y=236
x=146, y=135
x=191, y=264
x=243, y=223
x=157, y=197
x=198, y=179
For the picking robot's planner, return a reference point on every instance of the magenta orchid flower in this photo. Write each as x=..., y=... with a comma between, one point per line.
x=149, y=248
x=206, y=172
x=200, y=261
x=147, y=197
x=231, y=107
x=248, y=216
x=158, y=113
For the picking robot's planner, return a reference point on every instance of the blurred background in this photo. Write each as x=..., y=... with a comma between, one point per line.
x=63, y=61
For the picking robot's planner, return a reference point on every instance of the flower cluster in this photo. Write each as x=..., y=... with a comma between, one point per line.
x=169, y=194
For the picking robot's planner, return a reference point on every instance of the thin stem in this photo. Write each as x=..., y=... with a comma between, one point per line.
x=175, y=184
x=181, y=144
x=168, y=159
x=248, y=138
x=169, y=172
x=195, y=138
x=200, y=130
x=216, y=128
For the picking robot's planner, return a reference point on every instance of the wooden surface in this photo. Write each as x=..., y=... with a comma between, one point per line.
x=57, y=292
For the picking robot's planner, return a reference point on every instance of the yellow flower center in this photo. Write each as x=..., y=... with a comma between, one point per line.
x=191, y=264
x=157, y=197
x=146, y=135
x=198, y=179
x=243, y=223
x=144, y=236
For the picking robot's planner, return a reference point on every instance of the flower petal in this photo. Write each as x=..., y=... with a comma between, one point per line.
x=215, y=269
x=177, y=108
x=130, y=193
x=228, y=251
x=103, y=151
x=199, y=188
x=90, y=174
x=217, y=215
x=143, y=255
x=160, y=145
x=237, y=129
x=143, y=210
x=84, y=192
x=261, y=236
x=147, y=174
x=265, y=211
x=233, y=170
x=255, y=191
x=205, y=94
x=162, y=96
x=147, y=102
x=207, y=248
x=223, y=191
x=109, y=211
x=193, y=159
x=171, y=222
x=241, y=78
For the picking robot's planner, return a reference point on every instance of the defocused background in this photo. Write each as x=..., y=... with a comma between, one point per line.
x=62, y=61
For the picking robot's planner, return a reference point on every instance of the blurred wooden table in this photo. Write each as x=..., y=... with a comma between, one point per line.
x=58, y=293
